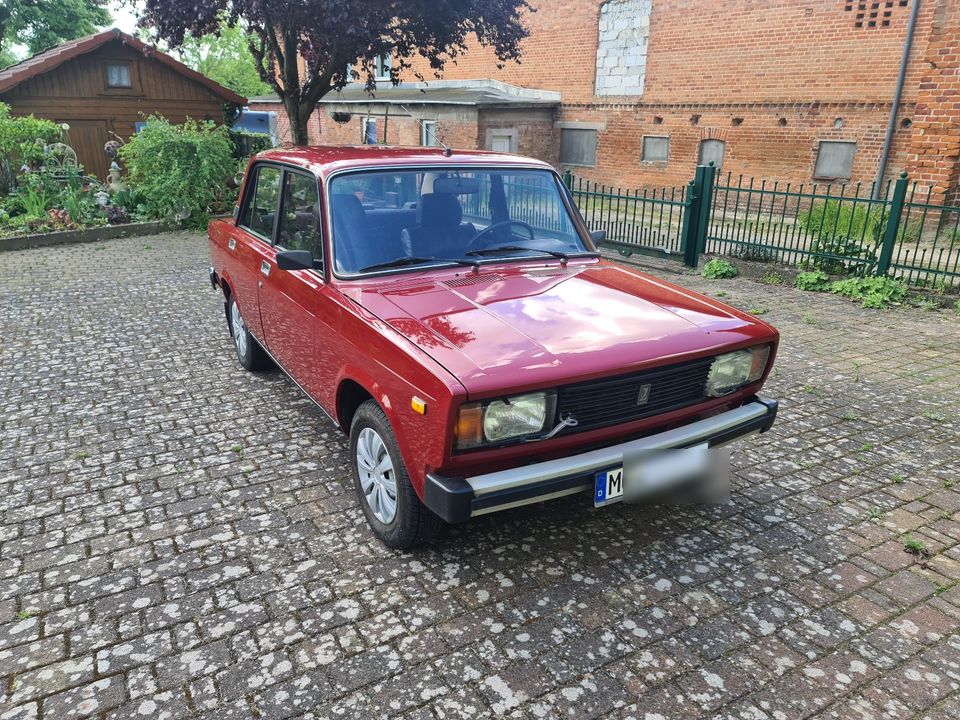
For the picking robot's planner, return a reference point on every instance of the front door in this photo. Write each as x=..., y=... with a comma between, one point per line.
x=87, y=138
x=289, y=298
x=252, y=241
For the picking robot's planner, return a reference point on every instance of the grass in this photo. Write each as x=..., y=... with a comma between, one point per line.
x=758, y=311
x=722, y=293
x=915, y=547
x=82, y=455
x=876, y=513
x=25, y=615
x=897, y=478
x=236, y=449
x=809, y=319
x=772, y=278
x=934, y=416
x=849, y=417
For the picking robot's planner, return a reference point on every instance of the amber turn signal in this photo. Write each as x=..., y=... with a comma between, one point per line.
x=469, y=431
x=419, y=406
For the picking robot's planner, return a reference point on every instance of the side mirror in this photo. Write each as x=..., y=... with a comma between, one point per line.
x=598, y=236
x=295, y=260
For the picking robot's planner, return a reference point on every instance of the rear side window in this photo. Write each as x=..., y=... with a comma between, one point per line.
x=260, y=212
x=300, y=221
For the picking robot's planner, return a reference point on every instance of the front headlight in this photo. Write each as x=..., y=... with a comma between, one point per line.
x=514, y=417
x=732, y=371
x=502, y=420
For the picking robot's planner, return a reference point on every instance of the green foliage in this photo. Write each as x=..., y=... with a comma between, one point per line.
x=956, y=308
x=813, y=280
x=847, y=232
x=40, y=24
x=180, y=170
x=225, y=58
x=22, y=140
x=874, y=292
x=914, y=546
x=718, y=269
x=772, y=278
x=247, y=144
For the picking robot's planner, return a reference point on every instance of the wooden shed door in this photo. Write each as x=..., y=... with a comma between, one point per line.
x=87, y=138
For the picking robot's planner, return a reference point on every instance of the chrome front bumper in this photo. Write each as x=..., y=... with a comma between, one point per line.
x=458, y=499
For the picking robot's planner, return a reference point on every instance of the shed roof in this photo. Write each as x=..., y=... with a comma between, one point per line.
x=54, y=57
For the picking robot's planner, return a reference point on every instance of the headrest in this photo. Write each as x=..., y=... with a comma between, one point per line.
x=439, y=210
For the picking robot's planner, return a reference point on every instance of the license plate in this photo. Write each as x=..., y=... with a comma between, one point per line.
x=608, y=487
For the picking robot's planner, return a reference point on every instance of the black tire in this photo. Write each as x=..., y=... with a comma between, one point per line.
x=413, y=522
x=251, y=356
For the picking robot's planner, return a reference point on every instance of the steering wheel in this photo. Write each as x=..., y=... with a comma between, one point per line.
x=472, y=245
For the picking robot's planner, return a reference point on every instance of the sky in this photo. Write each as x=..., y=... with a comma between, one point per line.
x=123, y=18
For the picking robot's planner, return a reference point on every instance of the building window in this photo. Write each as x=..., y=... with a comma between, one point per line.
x=655, y=149
x=502, y=140
x=118, y=75
x=381, y=67
x=368, y=128
x=835, y=160
x=624, y=34
x=711, y=151
x=578, y=146
x=428, y=133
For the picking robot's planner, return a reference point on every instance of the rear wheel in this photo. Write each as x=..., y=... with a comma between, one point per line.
x=249, y=353
x=389, y=502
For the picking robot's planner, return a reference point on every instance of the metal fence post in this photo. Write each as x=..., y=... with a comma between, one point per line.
x=691, y=218
x=893, y=224
x=706, y=207
x=568, y=179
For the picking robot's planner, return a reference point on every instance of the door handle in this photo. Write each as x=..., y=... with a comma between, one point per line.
x=232, y=244
x=265, y=268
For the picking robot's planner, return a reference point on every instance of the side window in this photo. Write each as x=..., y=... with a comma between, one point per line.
x=261, y=209
x=300, y=221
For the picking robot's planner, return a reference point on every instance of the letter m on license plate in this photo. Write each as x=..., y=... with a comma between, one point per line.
x=608, y=487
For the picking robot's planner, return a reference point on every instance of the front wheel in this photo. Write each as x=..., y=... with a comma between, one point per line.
x=249, y=353
x=389, y=502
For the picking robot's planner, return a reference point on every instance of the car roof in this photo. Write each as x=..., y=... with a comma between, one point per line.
x=324, y=160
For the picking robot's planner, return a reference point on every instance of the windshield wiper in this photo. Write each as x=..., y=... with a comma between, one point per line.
x=405, y=261
x=521, y=248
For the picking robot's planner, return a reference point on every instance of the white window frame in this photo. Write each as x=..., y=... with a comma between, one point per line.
x=427, y=127
x=364, y=124
x=382, y=65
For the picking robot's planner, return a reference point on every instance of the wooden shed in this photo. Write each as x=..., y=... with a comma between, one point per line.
x=106, y=83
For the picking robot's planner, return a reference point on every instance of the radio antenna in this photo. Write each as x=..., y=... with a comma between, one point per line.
x=447, y=150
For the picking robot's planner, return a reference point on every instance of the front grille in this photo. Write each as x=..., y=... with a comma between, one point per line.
x=612, y=401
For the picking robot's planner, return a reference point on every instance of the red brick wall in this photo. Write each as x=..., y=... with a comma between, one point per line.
x=934, y=153
x=803, y=62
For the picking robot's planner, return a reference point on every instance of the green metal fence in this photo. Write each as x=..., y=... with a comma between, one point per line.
x=842, y=229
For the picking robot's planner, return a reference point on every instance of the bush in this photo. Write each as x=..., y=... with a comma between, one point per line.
x=247, y=144
x=814, y=280
x=874, y=292
x=844, y=231
x=180, y=170
x=22, y=140
x=718, y=269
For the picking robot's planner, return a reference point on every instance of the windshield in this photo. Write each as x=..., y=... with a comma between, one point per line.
x=417, y=218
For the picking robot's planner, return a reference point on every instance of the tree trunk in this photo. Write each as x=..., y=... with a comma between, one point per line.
x=298, y=113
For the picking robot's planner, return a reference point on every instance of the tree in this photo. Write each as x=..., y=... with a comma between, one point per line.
x=40, y=24
x=226, y=59
x=305, y=49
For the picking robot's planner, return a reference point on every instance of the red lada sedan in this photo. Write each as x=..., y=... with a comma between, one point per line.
x=449, y=311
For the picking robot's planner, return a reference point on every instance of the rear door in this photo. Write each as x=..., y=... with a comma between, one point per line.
x=289, y=298
x=251, y=241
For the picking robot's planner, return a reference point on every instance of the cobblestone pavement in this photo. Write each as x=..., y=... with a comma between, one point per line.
x=179, y=538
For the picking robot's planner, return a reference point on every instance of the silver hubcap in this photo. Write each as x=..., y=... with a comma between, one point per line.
x=377, y=478
x=239, y=329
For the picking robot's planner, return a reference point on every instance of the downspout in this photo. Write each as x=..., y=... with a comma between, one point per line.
x=892, y=124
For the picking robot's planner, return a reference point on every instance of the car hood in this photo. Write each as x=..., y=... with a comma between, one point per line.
x=510, y=328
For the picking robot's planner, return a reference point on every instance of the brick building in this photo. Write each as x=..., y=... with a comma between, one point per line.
x=794, y=90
